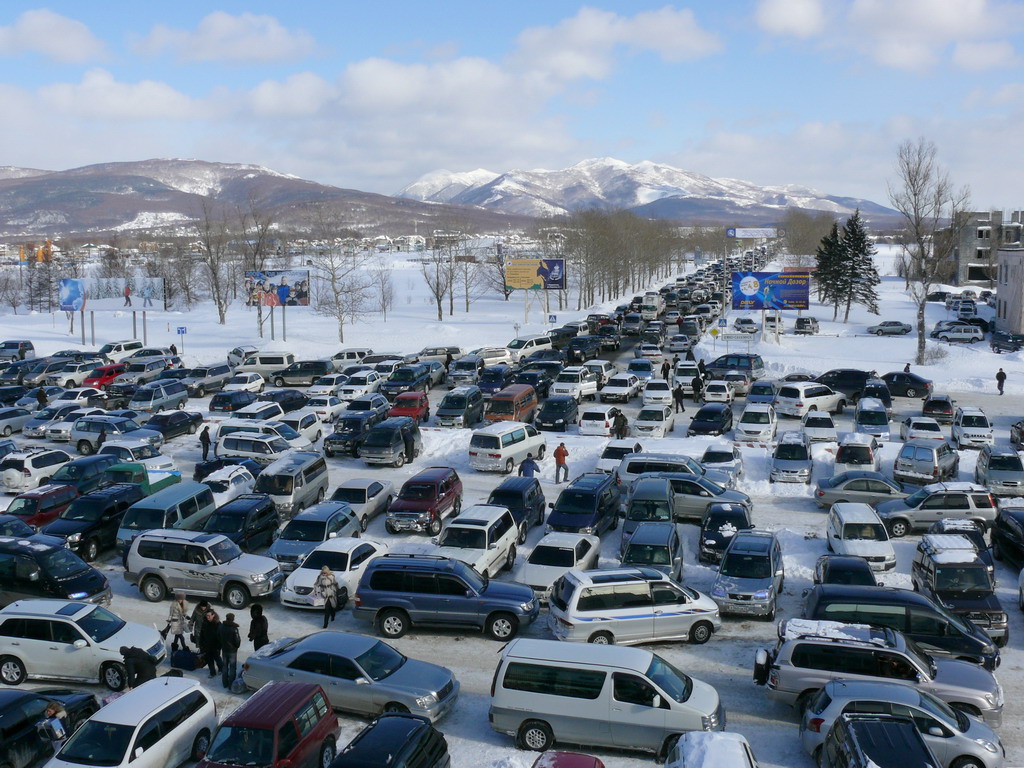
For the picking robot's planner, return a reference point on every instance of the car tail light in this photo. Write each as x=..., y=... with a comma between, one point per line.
x=606, y=424
x=935, y=472
x=799, y=405
x=820, y=493
x=815, y=723
x=357, y=600
x=26, y=473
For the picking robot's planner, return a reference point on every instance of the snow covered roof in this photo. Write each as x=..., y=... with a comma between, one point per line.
x=791, y=629
x=949, y=548
x=970, y=487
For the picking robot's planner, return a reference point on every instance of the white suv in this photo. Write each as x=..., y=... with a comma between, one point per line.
x=854, y=528
x=971, y=428
x=24, y=470
x=483, y=536
x=799, y=397
x=962, y=333
x=577, y=382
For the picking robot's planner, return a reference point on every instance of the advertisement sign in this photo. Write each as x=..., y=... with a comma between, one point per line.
x=277, y=288
x=110, y=293
x=744, y=233
x=535, y=274
x=770, y=290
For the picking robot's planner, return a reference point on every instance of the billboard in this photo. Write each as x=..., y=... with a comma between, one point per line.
x=770, y=290
x=744, y=233
x=535, y=274
x=277, y=288
x=110, y=293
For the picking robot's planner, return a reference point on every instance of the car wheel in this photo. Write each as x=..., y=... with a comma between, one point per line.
x=944, y=338
x=967, y=761
x=153, y=589
x=841, y=406
x=601, y=638
x=535, y=735
x=389, y=527
x=879, y=333
x=12, y=671
x=237, y=596
x=320, y=495
x=180, y=406
x=393, y=707
x=114, y=675
x=502, y=626
x=509, y=466
x=328, y=752
x=90, y=550
x=540, y=451
x=200, y=391
x=86, y=448
x=771, y=614
x=911, y=392
x=510, y=558
x=898, y=529
x=700, y=632
x=400, y=461
x=363, y=522
x=392, y=624
x=201, y=745
x=434, y=527
x=278, y=382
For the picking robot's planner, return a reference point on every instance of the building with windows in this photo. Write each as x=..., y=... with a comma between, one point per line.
x=1010, y=290
x=981, y=235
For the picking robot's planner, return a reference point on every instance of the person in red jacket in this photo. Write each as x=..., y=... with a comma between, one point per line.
x=561, y=454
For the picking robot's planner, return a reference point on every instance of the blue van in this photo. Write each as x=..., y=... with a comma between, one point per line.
x=589, y=504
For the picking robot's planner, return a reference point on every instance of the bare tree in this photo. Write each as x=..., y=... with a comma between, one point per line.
x=214, y=237
x=495, y=272
x=925, y=197
x=804, y=231
x=11, y=292
x=384, y=288
x=437, y=273
x=257, y=227
x=342, y=285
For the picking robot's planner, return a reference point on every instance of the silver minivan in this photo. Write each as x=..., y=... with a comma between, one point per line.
x=610, y=696
x=265, y=363
x=159, y=396
x=295, y=482
x=183, y=505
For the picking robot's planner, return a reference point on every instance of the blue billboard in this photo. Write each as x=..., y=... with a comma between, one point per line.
x=770, y=290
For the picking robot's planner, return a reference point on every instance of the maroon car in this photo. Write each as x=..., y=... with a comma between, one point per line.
x=412, y=404
x=425, y=499
x=566, y=760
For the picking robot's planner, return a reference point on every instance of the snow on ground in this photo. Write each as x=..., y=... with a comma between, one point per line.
x=726, y=661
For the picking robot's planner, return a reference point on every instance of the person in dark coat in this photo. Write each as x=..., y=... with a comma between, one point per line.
x=229, y=643
x=678, y=395
x=174, y=349
x=199, y=622
x=528, y=468
x=258, y=627
x=448, y=360
x=204, y=441
x=1001, y=380
x=410, y=446
x=41, y=398
x=666, y=369
x=698, y=389
x=689, y=355
x=906, y=368
x=139, y=664
x=621, y=426
x=101, y=438
x=701, y=368
x=210, y=645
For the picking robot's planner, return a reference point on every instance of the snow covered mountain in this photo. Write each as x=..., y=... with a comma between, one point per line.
x=650, y=189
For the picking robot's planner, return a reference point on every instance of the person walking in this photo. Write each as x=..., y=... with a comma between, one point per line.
x=204, y=441
x=1000, y=380
x=620, y=425
x=127, y=294
x=448, y=359
x=561, y=454
x=258, y=627
x=174, y=349
x=229, y=644
x=41, y=397
x=177, y=622
x=101, y=438
x=906, y=368
x=678, y=396
x=210, y=645
x=326, y=588
x=698, y=389
x=528, y=468
x=139, y=666
x=666, y=369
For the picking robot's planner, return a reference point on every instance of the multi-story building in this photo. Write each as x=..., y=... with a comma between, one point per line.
x=1010, y=290
x=981, y=235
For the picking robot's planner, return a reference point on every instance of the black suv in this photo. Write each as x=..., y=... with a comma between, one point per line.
x=524, y=498
x=589, y=504
x=583, y=348
x=86, y=474
x=560, y=337
x=558, y=413
x=90, y=523
x=398, y=740
x=407, y=378
x=849, y=381
x=31, y=569
x=231, y=401
x=349, y=431
x=538, y=378
x=288, y=399
x=610, y=337
x=249, y=520
x=23, y=744
x=1004, y=341
x=1008, y=536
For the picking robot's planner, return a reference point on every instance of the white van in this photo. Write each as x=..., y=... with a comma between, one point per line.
x=256, y=427
x=164, y=722
x=872, y=418
x=306, y=422
x=524, y=347
x=263, y=449
x=603, y=696
x=854, y=528
x=265, y=363
x=502, y=445
x=294, y=482
x=629, y=605
x=116, y=351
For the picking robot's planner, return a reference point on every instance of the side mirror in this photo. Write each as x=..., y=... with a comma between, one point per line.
x=34, y=575
x=80, y=643
x=332, y=535
x=551, y=505
x=436, y=540
x=140, y=750
x=656, y=701
x=935, y=731
x=780, y=573
x=362, y=681
x=492, y=545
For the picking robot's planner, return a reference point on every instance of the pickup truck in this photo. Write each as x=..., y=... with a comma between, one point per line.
x=150, y=480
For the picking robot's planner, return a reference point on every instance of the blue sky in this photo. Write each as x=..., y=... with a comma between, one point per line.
x=371, y=96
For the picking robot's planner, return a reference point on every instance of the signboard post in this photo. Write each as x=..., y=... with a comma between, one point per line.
x=534, y=275
x=182, y=330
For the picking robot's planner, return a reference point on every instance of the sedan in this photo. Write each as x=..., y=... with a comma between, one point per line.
x=858, y=485
x=327, y=407
x=245, y=382
x=890, y=328
x=347, y=557
x=650, y=352
x=819, y=427
x=844, y=569
x=657, y=392
x=438, y=373
x=31, y=398
x=915, y=427
x=173, y=423
x=330, y=384
x=13, y=419
x=902, y=384
x=368, y=497
x=620, y=387
x=724, y=458
x=654, y=421
x=679, y=342
x=711, y=419
x=555, y=554
x=360, y=674
x=79, y=395
x=719, y=391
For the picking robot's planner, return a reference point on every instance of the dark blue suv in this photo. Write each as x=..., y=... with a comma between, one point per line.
x=399, y=591
x=495, y=378
x=408, y=378
x=349, y=431
x=589, y=504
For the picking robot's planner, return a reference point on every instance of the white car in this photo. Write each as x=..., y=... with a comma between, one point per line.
x=577, y=382
x=723, y=457
x=327, y=407
x=361, y=383
x=719, y=391
x=494, y=355
x=229, y=483
x=757, y=422
x=346, y=557
x=139, y=452
x=79, y=395
x=483, y=536
x=920, y=428
x=330, y=384
x=654, y=421
x=306, y=422
x=621, y=387
x=597, y=420
x=613, y=452
x=25, y=470
x=658, y=392
x=740, y=381
x=798, y=397
x=745, y=325
x=679, y=342
x=819, y=427
x=367, y=496
x=650, y=352
x=966, y=334
x=556, y=554
x=245, y=382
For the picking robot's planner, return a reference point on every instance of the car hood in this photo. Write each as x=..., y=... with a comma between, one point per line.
x=132, y=635
x=292, y=548
x=540, y=575
x=720, y=537
x=407, y=505
x=703, y=698
x=418, y=678
x=249, y=563
x=742, y=586
x=969, y=601
x=790, y=464
x=65, y=528
x=508, y=590
x=862, y=548
x=954, y=675
x=891, y=507
x=473, y=557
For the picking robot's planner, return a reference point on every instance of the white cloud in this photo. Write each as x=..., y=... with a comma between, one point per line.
x=100, y=97
x=221, y=36
x=980, y=56
x=299, y=95
x=52, y=35
x=795, y=18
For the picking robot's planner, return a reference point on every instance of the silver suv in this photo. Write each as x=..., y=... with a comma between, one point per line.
x=810, y=653
x=199, y=563
x=1000, y=470
x=207, y=378
x=750, y=576
x=85, y=433
x=925, y=461
x=938, y=501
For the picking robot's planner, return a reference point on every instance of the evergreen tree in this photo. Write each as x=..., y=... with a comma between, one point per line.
x=861, y=280
x=829, y=258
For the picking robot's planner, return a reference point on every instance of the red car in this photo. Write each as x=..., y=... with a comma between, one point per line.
x=412, y=404
x=42, y=505
x=566, y=760
x=104, y=375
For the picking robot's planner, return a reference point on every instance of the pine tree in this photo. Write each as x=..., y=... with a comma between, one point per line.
x=861, y=277
x=829, y=258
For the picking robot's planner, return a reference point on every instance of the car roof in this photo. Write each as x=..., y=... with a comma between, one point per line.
x=875, y=690
x=137, y=704
x=273, y=702
x=855, y=512
x=652, y=533
x=430, y=474
x=478, y=515
x=576, y=654
x=563, y=539
x=178, y=534
x=71, y=609
x=752, y=541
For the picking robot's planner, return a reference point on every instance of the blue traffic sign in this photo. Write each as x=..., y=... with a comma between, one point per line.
x=182, y=330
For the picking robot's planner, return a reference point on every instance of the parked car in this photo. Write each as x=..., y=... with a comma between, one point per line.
x=751, y=575
x=940, y=408
x=902, y=384
x=418, y=744
x=844, y=569
x=347, y=558
x=556, y=554
x=865, y=486
x=890, y=328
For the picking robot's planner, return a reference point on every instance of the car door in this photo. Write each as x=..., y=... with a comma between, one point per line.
x=310, y=667
x=148, y=739
x=357, y=561
x=690, y=500
x=935, y=734
x=456, y=603
x=637, y=712
x=71, y=661
x=672, y=614
x=935, y=508
x=200, y=574
x=22, y=744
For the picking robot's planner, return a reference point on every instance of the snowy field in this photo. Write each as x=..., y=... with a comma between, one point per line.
x=725, y=662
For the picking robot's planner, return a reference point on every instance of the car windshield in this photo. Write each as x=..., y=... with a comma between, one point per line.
x=336, y=561
x=220, y=522
x=142, y=396
x=417, y=492
x=464, y=538
x=283, y=430
x=100, y=624
x=23, y=507
x=721, y=519
x=454, y=402
x=380, y=661
x=651, y=414
x=351, y=425
x=717, y=457
x=98, y=743
x=466, y=365
x=791, y=452
x=143, y=519
x=975, y=421
x=930, y=426
x=741, y=566
x=641, y=366
x=304, y=530
x=914, y=500
x=568, y=378
x=865, y=531
x=62, y=564
x=378, y=438
x=575, y=503
x=963, y=579
x=84, y=510
x=617, y=451
x=670, y=680
x=557, y=407
x=648, y=511
x=349, y=495
x=517, y=344
x=501, y=407
x=646, y=554
x=561, y=557
x=853, y=454
x=242, y=746
x=873, y=418
x=1005, y=463
x=403, y=374
x=755, y=417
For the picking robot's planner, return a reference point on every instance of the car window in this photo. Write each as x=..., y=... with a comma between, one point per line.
x=287, y=740
x=314, y=662
x=633, y=690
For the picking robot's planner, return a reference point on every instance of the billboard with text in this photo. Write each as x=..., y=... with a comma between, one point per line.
x=110, y=293
x=770, y=290
x=277, y=288
x=535, y=274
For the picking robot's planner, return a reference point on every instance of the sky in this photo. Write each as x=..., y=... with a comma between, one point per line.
x=371, y=96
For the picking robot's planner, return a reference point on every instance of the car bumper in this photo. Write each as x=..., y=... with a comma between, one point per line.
x=268, y=587
x=1002, y=489
x=379, y=459
x=294, y=600
x=418, y=524
x=976, y=441
x=735, y=607
x=441, y=708
x=486, y=465
x=789, y=477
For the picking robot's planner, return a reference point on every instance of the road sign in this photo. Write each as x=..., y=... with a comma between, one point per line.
x=552, y=318
x=723, y=322
x=714, y=331
x=182, y=330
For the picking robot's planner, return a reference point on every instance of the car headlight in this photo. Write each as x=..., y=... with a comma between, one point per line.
x=718, y=592
x=987, y=745
x=78, y=595
x=426, y=701
x=259, y=578
x=74, y=538
x=761, y=594
x=559, y=421
x=121, y=542
x=548, y=529
x=587, y=530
